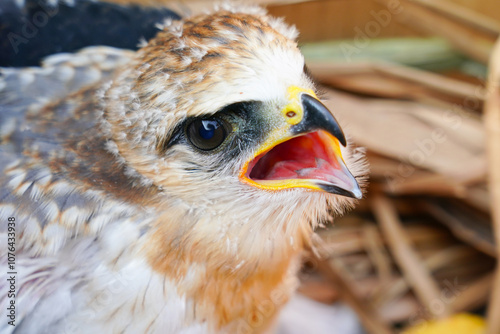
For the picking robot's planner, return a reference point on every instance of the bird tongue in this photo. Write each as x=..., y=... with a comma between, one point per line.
x=303, y=157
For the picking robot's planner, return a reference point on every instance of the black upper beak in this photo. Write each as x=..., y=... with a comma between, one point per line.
x=316, y=117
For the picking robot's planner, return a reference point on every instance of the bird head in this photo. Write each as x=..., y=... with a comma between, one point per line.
x=219, y=114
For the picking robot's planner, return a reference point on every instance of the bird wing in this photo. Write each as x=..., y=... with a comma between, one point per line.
x=59, y=76
x=36, y=127
x=56, y=185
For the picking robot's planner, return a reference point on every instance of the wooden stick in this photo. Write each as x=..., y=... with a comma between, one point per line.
x=479, y=198
x=463, y=14
x=399, y=286
x=399, y=311
x=413, y=269
x=426, y=184
x=492, y=125
x=473, y=295
x=473, y=43
x=464, y=224
x=377, y=253
x=322, y=70
x=368, y=316
x=434, y=81
x=342, y=241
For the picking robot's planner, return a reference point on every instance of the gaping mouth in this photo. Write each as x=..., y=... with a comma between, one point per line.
x=312, y=161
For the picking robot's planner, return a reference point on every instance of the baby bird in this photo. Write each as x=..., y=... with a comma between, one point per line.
x=168, y=190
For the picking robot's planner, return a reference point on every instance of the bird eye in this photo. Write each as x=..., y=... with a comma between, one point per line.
x=206, y=134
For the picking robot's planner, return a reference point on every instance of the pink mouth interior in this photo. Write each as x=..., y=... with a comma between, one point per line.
x=303, y=157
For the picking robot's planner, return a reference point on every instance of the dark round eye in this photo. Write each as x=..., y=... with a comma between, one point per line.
x=206, y=134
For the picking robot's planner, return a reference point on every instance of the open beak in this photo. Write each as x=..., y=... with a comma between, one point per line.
x=304, y=154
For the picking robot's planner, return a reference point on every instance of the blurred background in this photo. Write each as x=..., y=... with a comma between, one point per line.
x=408, y=81
x=415, y=84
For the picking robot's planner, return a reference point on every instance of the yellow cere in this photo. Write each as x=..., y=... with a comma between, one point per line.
x=458, y=324
x=293, y=111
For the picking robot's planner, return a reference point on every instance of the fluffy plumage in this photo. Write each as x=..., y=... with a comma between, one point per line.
x=123, y=225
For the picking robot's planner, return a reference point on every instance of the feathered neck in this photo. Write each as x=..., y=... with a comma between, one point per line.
x=228, y=268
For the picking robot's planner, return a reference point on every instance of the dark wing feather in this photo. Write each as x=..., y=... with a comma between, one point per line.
x=38, y=29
